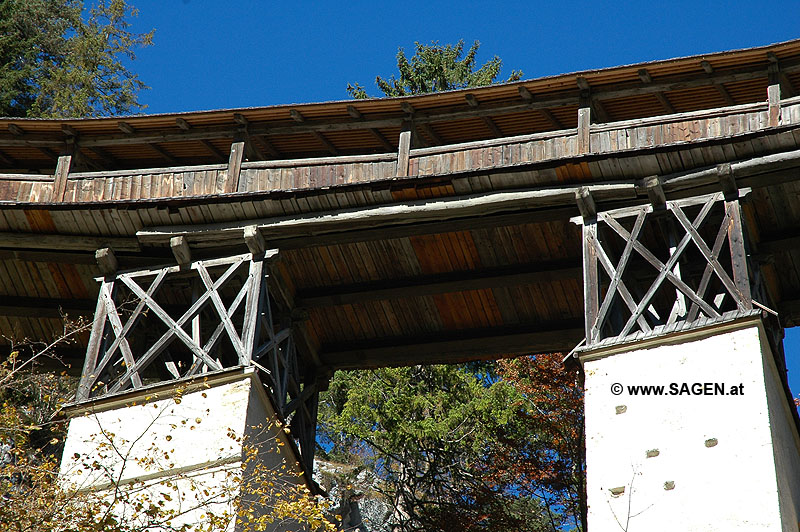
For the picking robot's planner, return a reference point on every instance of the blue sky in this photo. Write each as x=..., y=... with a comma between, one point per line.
x=212, y=55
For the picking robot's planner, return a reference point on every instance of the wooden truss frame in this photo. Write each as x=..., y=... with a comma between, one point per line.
x=691, y=303
x=258, y=339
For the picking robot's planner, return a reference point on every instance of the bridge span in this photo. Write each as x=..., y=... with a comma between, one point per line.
x=597, y=208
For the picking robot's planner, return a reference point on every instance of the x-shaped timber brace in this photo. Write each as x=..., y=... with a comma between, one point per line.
x=696, y=273
x=177, y=322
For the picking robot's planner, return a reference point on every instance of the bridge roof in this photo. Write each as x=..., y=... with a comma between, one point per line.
x=351, y=127
x=467, y=252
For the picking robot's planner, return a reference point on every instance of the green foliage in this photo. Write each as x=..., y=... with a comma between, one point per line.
x=426, y=430
x=434, y=68
x=57, y=60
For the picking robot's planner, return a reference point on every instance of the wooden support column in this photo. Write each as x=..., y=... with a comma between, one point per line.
x=107, y=263
x=234, y=167
x=733, y=211
x=252, y=310
x=403, y=153
x=774, y=95
x=741, y=276
x=591, y=284
x=590, y=279
x=679, y=309
x=584, y=118
x=92, y=351
x=60, y=179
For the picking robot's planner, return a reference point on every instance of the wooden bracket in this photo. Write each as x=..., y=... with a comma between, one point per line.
x=727, y=181
x=655, y=192
x=586, y=204
x=525, y=94
x=584, y=87
x=180, y=249
x=106, y=261
x=254, y=241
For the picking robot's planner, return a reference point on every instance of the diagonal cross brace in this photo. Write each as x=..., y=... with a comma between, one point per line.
x=221, y=310
x=129, y=324
x=617, y=283
x=175, y=327
x=665, y=270
x=116, y=326
x=703, y=247
x=215, y=336
x=706, y=278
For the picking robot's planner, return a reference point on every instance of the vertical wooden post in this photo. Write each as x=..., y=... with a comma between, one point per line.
x=584, y=118
x=93, y=349
x=403, y=153
x=591, y=286
x=252, y=309
x=234, y=167
x=60, y=179
x=774, y=95
x=196, y=331
x=738, y=254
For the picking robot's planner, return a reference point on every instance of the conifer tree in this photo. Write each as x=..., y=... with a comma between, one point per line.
x=434, y=68
x=59, y=59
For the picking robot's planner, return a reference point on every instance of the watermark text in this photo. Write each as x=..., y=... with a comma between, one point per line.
x=679, y=388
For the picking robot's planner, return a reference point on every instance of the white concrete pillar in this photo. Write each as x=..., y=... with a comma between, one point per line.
x=184, y=446
x=690, y=458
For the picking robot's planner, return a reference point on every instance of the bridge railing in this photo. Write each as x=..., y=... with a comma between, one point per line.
x=570, y=145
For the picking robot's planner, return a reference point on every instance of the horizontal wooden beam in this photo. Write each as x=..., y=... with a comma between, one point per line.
x=51, y=256
x=425, y=228
x=66, y=242
x=439, y=284
x=456, y=346
x=369, y=217
x=771, y=244
x=755, y=172
x=40, y=307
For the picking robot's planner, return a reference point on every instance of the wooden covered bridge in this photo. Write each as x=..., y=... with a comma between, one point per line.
x=434, y=228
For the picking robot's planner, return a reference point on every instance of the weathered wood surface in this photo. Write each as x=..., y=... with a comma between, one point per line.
x=449, y=160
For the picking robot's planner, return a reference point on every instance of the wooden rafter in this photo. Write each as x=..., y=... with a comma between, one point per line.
x=644, y=75
x=163, y=153
x=708, y=69
x=7, y=160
